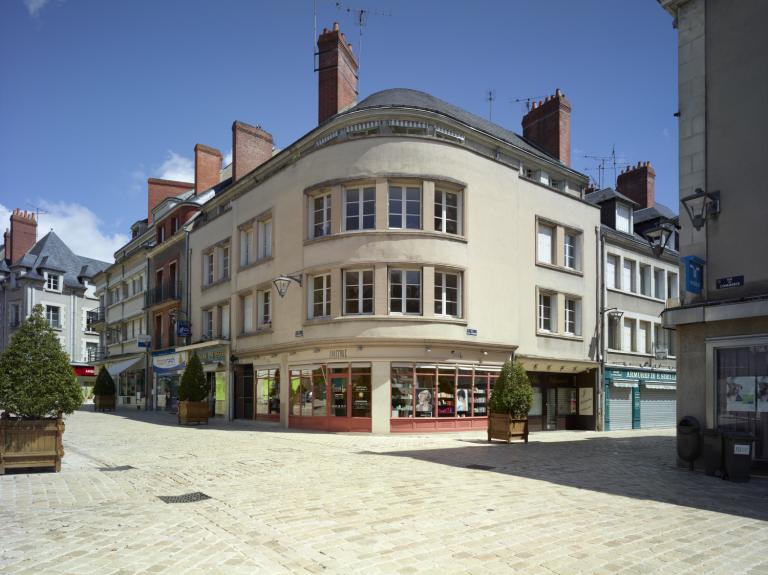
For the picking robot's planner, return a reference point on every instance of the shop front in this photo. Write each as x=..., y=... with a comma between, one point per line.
x=257, y=392
x=561, y=401
x=639, y=398
x=167, y=367
x=214, y=356
x=86, y=377
x=128, y=375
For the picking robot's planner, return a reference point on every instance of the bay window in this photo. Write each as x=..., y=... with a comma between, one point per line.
x=320, y=215
x=405, y=291
x=448, y=294
x=447, y=212
x=360, y=208
x=358, y=292
x=405, y=207
x=320, y=296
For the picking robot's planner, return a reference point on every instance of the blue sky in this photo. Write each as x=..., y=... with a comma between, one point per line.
x=96, y=96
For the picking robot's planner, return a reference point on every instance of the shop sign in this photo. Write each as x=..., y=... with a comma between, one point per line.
x=653, y=375
x=168, y=363
x=212, y=355
x=729, y=282
x=84, y=371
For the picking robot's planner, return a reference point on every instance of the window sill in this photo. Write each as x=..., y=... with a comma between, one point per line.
x=638, y=295
x=555, y=335
x=212, y=285
x=370, y=316
x=52, y=290
x=259, y=331
x=254, y=264
x=636, y=353
x=391, y=233
x=560, y=268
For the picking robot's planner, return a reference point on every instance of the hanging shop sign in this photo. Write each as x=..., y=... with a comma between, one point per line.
x=183, y=329
x=168, y=363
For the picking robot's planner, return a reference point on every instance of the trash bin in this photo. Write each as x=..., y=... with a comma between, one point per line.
x=737, y=455
x=712, y=451
x=688, y=440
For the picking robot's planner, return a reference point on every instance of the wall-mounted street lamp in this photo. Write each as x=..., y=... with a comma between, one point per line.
x=659, y=236
x=701, y=205
x=613, y=313
x=282, y=283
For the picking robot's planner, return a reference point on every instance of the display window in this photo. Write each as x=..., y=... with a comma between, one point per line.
x=341, y=390
x=257, y=394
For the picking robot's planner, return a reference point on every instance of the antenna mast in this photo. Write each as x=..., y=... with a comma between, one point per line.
x=361, y=20
x=491, y=96
x=528, y=101
x=38, y=211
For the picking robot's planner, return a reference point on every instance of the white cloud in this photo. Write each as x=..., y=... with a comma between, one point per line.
x=77, y=226
x=34, y=6
x=228, y=158
x=177, y=167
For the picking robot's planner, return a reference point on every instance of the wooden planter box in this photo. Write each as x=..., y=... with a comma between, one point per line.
x=193, y=412
x=503, y=426
x=31, y=443
x=104, y=403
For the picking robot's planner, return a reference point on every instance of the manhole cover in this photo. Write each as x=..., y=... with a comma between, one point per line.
x=186, y=498
x=480, y=467
x=118, y=468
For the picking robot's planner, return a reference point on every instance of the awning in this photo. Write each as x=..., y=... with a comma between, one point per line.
x=616, y=382
x=651, y=385
x=117, y=368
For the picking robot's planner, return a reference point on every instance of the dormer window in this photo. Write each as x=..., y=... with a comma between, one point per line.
x=623, y=218
x=174, y=224
x=161, y=234
x=52, y=282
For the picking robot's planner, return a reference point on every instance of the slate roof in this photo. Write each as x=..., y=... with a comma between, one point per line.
x=607, y=194
x=407, y=98
x=52, y=254
x=653, y=212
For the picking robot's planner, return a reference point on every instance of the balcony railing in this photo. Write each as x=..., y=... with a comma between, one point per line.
x=94, y=317
x=96, y=354
x=164, y=292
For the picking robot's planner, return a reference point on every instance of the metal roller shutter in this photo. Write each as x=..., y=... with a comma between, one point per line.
x=620, y=408
x=657, y=407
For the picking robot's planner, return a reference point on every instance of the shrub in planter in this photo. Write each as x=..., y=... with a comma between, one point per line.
x=510, y=403
x=104, y=391
x=37, y=386
x=193, y=393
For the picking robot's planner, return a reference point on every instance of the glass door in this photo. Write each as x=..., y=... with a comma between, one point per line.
x=551, y=409
x=339, y=392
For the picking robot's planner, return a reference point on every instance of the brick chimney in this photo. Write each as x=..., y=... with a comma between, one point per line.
x=337, y=74
x=158, y=190
x=22, y=235
x=251, y=147
x=638, y=184
x=548, y=125
x=207, y=167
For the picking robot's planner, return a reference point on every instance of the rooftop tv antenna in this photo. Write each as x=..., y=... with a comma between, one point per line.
x=529, y=100
x=604, y=162
x=38, y=211
x=490, y=96
x=361, y=20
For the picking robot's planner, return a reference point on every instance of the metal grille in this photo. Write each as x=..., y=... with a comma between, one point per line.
x=186, y=498
x=620, y=408
x=480, y=467
x=117, y=468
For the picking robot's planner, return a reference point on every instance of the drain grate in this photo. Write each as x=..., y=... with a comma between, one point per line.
x=480, y=467
x=118, y=468
x=186, y=498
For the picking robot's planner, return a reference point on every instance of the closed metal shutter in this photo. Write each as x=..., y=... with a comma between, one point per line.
x=657, y=407
x=620, y=408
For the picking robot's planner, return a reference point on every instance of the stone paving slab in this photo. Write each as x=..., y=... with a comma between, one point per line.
x=284, y=501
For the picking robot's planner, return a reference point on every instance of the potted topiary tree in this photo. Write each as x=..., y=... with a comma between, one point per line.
x=510, y=403
x=193, y=393
x=104, y=391
x=37, y=386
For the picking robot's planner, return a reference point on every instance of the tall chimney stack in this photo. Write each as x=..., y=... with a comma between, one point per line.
x=158, y=190
x=207, y=167
x=337, y=74
x=251, y=147
x=548, y=125
x=22, y=235
x=638, y=183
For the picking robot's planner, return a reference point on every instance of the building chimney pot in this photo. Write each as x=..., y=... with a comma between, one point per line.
x=21, y=236
x=336, y=26
x=158, y=190
x=207, y=168
x=548, y=125
x=251, y=147
x=337, y=75
x=638, y=183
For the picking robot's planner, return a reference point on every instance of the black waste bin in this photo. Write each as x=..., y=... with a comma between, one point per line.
x=737, y=455
x=688, y=440
x=712, y=451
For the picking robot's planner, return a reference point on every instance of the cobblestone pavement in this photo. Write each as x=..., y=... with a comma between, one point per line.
x=293, y=502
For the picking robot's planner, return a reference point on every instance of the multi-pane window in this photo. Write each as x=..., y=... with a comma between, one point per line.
x=672, y=285
x=447, y=212
x=572, y=316
x=91, y=317
x=246, y=246
x=174, y=224
x=570, y=247
x=658, y=280
x=360, y=208
x=320, y=215
x=265, y=238
x=643, y=337
x=628, y=335
x=613, y=333
x=448, y=294
x=223, y=262
x=405, y=291
x=137, y=285
x=247, y=309
x=611, y=276
x=14, y=315
x=544, y=243
x=623, y=218
x=628, y=276
x=208, y=323
x=53, y=315
x=405, y=207
x=52, y=282
x=208, y=268
x=358, y=292
x=224, y=321
x=546, y=313
x=320, y=294
x=645, y=279
x=265, y=308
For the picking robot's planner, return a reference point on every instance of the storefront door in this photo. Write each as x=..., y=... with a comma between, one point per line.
x=550, y=409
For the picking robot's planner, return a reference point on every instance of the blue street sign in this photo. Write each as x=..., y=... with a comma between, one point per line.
x=183, y=329
x=694, y=273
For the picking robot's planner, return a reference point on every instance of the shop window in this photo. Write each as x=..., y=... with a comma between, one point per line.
x=268, y=392
x=360, y=208
x=402, y=391
x=447, y=212
x=405, y=207
x=405, y=291
x=335, y=391
x=358, y=292
x=425, y=391
x=448, y=294
x=446, y=393
x=360, y=383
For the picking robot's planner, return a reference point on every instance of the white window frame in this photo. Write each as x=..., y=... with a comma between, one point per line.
x=402, y=213
x=321, y=227
x=264, y=240
x=325, y=296
x=628, y=344
x=207, y=324
x=48, y=316
x=404, y=299
x=441, y=211
x=360, y=289
x=572, y=315
x=224, y=262
x=612, y=262
x=246, y=306
x=246, y=246
x=571, y=250
x=208, y=262
x=441, y=293
x=224, y=326
x=551, y=306
x=362, y=204
x=644, y=336
x=52, y=282
x=628, y=273
x=264, y=318
x=541, y=243
x=623, y=214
